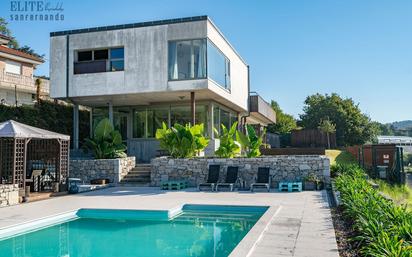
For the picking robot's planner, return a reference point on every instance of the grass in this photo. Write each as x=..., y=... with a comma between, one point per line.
x=340, y=157
x=400, y=194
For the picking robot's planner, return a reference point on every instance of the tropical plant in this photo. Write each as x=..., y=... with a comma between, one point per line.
x=326, y=126
x=106, y=142
x=250, y=141
x=228, y=147
x=182, y=141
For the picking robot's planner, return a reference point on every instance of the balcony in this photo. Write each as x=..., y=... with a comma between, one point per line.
x=260, y=111
x=23, y=83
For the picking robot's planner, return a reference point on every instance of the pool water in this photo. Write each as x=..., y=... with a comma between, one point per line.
x=192, y=233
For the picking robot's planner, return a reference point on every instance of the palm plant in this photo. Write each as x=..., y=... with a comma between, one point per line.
x=327, y=127
x=228, y=147
x=250, y=141
x=182, y=141
x=106, y=142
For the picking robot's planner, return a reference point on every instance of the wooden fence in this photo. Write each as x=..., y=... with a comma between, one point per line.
x=293, y=151
x=312, y=138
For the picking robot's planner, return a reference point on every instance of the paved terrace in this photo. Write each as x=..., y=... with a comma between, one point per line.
x=302, y=225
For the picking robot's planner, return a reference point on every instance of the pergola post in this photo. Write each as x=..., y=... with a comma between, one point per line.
x=76, y=126
x=193, y=107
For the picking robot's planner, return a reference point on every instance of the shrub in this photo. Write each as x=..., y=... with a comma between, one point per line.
x=228, y=147
x=250, y=141
x=182, y=141
x=384, y=229
x=106, y=142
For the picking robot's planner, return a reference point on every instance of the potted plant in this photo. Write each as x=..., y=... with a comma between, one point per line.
x=311, y=182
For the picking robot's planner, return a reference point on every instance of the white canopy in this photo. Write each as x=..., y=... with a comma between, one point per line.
x=13, y=128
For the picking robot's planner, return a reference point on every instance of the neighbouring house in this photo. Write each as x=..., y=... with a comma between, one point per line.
x=140, y=75
x=402, y=141
x=18, y=85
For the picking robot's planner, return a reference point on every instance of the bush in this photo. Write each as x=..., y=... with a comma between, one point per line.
x=48, y=115
x=106, y=142
x=182, y=141
x=383, y=228
x=250, y=141
x=228, y=147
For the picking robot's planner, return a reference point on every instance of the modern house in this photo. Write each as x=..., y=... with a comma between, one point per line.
x=402, y=141
x=18, y=85
x=140, y=75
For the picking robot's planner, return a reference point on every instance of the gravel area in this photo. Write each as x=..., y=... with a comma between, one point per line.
x=343, y=232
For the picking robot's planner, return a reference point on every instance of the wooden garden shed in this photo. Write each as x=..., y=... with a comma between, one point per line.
x=33, y=156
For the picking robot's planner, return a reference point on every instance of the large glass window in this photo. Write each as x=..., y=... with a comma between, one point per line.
x=99, y=114
x=99, y=60
x=155, y=118
x=117, y=59
x=139, y=124
x=187, y=59
x=218, y=66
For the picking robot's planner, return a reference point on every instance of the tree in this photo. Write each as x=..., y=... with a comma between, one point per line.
x=38, y=83
x=28, y=50
x=352, y=126
x=4, y=30
x=285, y=123
x=327, y=127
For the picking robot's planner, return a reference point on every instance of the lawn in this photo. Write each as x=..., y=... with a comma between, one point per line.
x=400, y=194
x=340, y=157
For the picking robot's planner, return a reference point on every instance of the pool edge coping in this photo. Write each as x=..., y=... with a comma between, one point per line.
x=248, y=244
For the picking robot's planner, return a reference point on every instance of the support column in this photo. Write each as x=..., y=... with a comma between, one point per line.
x=75, y=126
x=193, y=107
x=211, y=121
x=111, y=113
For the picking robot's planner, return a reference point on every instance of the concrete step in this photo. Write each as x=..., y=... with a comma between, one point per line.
x=137, y=179
x=137, y=176
x=133, y=184
x=139, y=172
x=142, y=169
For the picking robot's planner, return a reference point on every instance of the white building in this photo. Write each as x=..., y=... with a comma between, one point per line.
x=140, y=75
x=18, y=85
x=404, y=142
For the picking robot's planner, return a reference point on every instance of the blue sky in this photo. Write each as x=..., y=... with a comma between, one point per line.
x=359, y=49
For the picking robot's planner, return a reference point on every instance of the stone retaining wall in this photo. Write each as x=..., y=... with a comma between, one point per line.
x=9, y=195
x=112, y=169
x=282, y=168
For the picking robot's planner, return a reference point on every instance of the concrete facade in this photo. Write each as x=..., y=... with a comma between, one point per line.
x=146, y=67
x=282, y=168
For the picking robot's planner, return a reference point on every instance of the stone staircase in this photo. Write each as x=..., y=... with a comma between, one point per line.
x=138, y=176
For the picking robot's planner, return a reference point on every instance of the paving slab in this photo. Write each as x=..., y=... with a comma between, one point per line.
x=301, y=226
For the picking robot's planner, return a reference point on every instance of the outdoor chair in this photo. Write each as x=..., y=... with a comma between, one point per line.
x=35, y=179
x=231, y=178
x=263, y=179
x=212, y=177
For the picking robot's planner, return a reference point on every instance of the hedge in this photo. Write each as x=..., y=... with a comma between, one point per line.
x=47, y=115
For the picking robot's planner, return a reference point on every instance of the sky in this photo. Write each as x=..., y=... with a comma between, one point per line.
x=295, y=48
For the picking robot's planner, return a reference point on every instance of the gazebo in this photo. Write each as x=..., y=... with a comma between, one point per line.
x=26, y=151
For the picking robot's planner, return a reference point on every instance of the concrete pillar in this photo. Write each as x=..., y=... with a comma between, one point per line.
x=76, y=126
x=210, y=122
x=91, y=123
x=111, y=113
x=193, y=107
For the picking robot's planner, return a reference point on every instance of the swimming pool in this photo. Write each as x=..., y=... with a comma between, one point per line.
x=193, y=230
